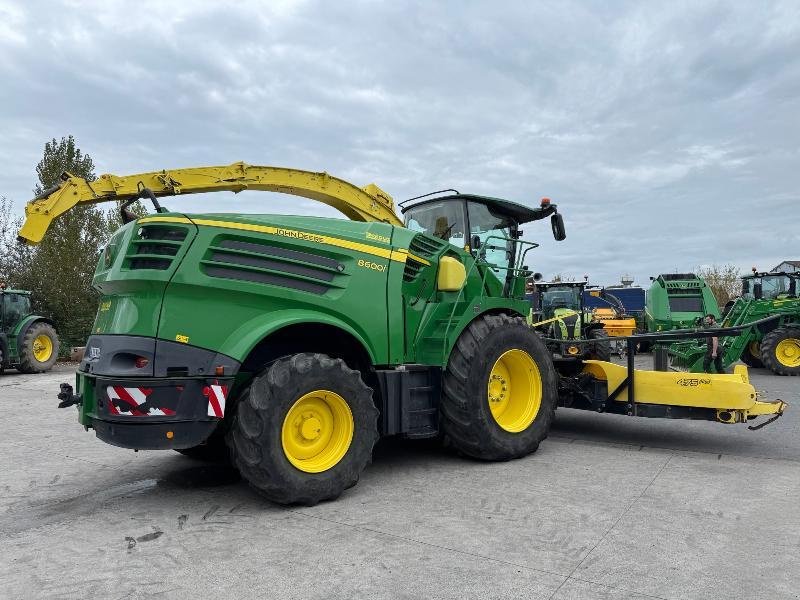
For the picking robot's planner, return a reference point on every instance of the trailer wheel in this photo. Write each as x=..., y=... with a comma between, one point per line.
x=752, y=355
x=780, y=350
x=39, y=349
x=304, y=429
x=600, y=350
x=499, y=390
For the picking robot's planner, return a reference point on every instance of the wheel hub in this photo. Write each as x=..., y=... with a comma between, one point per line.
x=42, y=348
x=317, y=431
x=497, y=388
x=788, y=352
x=310, y=428
x=514, y=390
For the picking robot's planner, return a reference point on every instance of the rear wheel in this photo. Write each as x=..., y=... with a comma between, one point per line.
x=600, y=350
x=752, y=355
x=500, y=391
x=304, y=429
x=780, y=350
x=39, y=349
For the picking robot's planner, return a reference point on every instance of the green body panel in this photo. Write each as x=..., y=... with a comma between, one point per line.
x=396, y=314
x=676, y=301
x=226, y=283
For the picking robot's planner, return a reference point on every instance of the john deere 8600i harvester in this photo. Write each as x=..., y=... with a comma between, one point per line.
x=303, y=339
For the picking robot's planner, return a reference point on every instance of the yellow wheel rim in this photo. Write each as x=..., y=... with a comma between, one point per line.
x=42, y=348
x=317, y=431
x=515, y=390
x=788, y=352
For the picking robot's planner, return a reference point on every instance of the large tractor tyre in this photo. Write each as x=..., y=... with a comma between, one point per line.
x=500, y=390
x=600, y=350
x=780, y=350
x=213, y=449
x=304, y=429
x=752, y=356
x=39, y=349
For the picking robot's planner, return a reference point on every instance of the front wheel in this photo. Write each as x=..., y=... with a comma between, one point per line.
x=752, y=355
x=500, y=391
x=780, y=350
x=601, y=349
x=304, y=429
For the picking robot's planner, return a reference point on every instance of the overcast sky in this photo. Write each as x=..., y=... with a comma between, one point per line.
x=668, y=133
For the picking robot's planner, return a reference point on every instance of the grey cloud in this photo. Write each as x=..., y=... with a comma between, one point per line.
x=667, y=133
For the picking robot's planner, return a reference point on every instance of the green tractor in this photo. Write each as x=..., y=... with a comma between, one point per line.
x=561, y=315
x=293, y=342
x=28, y=342
x=769, y=312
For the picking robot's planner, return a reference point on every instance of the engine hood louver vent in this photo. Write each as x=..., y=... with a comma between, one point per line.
x=424, y=247
x=272, y=265
x=155, y=246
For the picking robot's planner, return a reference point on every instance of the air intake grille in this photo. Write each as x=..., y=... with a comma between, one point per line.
x=272, y=265
x=425, y=246
x=155, y=246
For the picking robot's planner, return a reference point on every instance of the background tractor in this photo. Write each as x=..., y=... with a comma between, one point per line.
x=28, y=342
x=560, y=313
x=770, y=305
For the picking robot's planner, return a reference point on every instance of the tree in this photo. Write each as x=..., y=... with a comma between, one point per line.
x=13, y=254
x=723, y=281
x=59, y=271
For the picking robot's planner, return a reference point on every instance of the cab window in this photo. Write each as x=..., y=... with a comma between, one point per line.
x=15, y=307
x=484, y=224
x=444, y=220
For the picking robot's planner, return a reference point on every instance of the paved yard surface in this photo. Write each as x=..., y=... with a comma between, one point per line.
x=608, y=508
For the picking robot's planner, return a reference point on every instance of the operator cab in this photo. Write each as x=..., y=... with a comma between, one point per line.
x=770, y=286
x=487, y=226
x=550, y=297
x=14, y=306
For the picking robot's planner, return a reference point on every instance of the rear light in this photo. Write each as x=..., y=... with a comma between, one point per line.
x=141, y=362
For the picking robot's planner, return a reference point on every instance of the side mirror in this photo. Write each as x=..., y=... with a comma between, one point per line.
x=557, y=224
x=476, y=242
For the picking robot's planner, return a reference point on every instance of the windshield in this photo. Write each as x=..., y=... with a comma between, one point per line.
x=554, y=298
x=444, y=220
x=772, y=286
x=485, y=224
x=15, y=307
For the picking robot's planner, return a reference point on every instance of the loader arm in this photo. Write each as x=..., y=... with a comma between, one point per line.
x=359, y=204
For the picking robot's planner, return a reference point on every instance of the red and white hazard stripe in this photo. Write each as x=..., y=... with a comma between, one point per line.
x=216, y=399
x=133, y=397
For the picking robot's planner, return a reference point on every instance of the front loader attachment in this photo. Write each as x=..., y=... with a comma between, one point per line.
x=728, y=398
x=687, y=356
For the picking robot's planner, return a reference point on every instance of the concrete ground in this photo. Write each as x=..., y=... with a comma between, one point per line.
x=608, y=508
